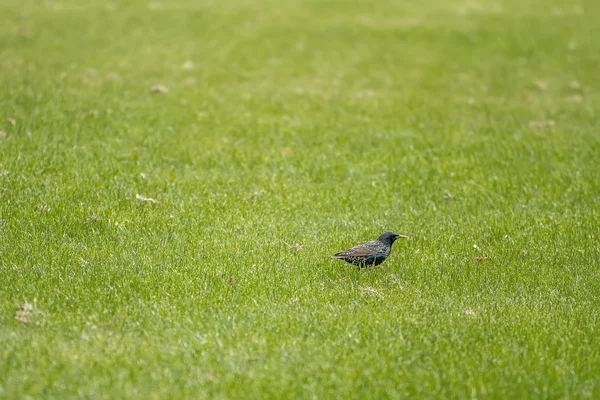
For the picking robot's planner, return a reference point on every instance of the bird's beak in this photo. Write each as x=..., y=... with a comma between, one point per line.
x=402, y=237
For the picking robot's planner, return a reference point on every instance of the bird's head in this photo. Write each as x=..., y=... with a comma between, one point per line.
x=390, y=237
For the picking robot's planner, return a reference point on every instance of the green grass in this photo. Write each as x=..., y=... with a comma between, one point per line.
x=299, y=130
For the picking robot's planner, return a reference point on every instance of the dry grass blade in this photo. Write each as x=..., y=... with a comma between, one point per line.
x=24, y=312
x=542, y=124
x=160, y=89
x=144, y=199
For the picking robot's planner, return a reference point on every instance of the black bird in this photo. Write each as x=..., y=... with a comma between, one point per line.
x=370, y=254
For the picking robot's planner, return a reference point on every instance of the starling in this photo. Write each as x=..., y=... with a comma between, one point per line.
x=370, y=254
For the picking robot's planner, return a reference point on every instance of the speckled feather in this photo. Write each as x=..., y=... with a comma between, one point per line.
x=370, y=254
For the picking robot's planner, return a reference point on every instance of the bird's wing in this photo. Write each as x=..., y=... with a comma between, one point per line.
x=358, y=251
x=376, y=246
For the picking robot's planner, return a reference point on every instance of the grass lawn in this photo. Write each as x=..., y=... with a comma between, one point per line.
x=175, y=174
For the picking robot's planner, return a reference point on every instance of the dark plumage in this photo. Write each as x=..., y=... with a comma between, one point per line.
x=370, y=254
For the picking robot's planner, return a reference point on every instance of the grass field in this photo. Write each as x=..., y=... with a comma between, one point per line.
x=174, y=176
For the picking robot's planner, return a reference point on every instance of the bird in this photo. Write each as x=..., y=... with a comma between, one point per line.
x=369, y=255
